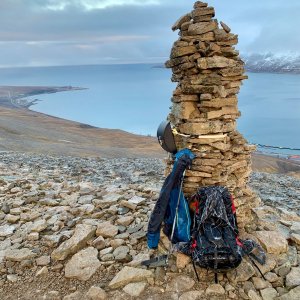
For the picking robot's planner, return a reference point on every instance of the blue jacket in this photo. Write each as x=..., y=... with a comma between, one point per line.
x=165, y=208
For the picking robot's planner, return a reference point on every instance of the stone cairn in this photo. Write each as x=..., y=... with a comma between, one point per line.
x=209, y=73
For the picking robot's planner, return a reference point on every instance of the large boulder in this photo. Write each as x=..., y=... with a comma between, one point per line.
x=180, y=284
x=125, y=221
x=191, y=295
x=19, y=254
x=215, y=290
x=135, y=289
x=39, y=225
x=268, y=294
x=253, y=295
x=96, y=293
x=73, y=296
x=7, y=230
x=295, y=227
x=293, y=294
x=182, y=260
x=128, y=275
x=273, y=241
x=293, y=278
x=107, y=230
x=242, y=273
x=269, y=265
x=107, y=200
x=83, y=264
x=296, y=238
x=137, y=200
x=78, y=241
x=121, y=254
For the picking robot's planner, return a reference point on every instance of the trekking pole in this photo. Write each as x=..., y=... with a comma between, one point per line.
x=163, y=260
x=175, y=217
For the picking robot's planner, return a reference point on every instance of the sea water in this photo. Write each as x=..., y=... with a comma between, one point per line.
x=136, y=98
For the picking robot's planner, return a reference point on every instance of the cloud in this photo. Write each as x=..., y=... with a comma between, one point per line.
x=263, y=26
x=95, y=31
x=75, y=23
x=92, y=4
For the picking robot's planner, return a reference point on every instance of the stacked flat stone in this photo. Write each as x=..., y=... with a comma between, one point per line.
x=209, y=73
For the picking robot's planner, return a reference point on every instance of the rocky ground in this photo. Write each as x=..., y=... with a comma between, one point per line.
x=277, y=190
x=74, y=228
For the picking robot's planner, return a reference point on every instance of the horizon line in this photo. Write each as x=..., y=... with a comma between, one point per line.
x=82, y=65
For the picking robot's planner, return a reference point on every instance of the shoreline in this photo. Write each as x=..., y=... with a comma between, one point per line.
x=15, y=96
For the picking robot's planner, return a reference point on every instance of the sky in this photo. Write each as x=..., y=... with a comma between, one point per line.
x=76, y=32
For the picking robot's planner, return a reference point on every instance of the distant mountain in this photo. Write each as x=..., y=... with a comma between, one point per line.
x=273, y=63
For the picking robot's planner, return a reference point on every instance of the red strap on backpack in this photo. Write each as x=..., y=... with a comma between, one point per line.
x=195, y=206
x=238, y=242
x=232, y=205
x=194, y=245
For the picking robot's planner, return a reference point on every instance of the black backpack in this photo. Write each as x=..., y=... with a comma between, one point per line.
x=214, y=241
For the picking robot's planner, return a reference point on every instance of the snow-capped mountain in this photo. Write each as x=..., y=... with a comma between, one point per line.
x=273, y=63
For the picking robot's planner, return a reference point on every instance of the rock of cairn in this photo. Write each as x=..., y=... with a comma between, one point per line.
x=209, y=73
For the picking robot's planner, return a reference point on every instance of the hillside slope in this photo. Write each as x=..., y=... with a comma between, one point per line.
x=27, y=131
